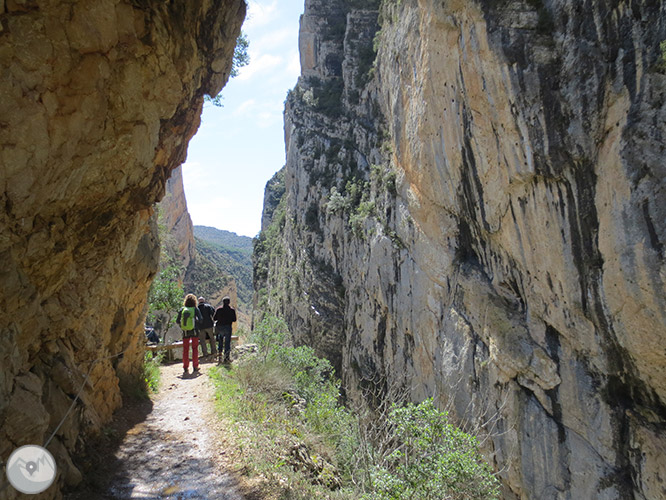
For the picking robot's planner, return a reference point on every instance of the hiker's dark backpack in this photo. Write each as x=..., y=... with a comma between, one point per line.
x=187, y=318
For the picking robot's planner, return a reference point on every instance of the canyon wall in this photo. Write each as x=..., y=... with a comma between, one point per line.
x=479, y=216
x=98, y=100
x=177, y=233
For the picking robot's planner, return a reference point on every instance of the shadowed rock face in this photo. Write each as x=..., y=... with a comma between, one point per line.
x=507, y=256
x=98, y=102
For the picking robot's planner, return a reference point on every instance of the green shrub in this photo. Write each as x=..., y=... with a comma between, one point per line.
x=365, y=210
x=165, y=295
x=151, y=371
x=286, y=397
x=269, y=377
x=336, y=202
x=384, y=177
x=269, y=333
x=432, y=459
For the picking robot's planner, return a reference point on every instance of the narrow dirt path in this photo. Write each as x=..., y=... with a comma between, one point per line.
x=175, y=452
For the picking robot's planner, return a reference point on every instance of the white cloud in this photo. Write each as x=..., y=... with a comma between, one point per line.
x=272, y=40
x=264, y=114
x=258, y=65
x=260, y=14
x=246, y=107
x=267, y=119
x=207, y=211
x=270, y=114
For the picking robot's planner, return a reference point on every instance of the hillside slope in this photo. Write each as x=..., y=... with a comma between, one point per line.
x=223, y=238
x=222, y=257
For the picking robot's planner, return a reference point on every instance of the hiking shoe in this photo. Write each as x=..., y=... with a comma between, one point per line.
x=185, y=371
x=196, y=370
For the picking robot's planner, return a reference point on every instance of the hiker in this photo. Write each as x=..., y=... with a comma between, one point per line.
x=206, y=335
x=151, y=335
x=224, y=317
x=187, y=318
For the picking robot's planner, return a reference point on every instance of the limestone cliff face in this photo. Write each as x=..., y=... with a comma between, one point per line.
x=177, y=222
x=98, y=102
x=481, y=218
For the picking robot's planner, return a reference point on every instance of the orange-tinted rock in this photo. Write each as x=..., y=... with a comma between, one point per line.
x=98, y=101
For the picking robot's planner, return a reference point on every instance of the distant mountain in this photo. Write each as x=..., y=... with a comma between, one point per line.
x=222, y=255
x=223, y=238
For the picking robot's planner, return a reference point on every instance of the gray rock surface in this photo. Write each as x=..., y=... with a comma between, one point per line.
x=480, y=216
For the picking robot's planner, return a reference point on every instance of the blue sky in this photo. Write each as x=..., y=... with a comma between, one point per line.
x=240, y=146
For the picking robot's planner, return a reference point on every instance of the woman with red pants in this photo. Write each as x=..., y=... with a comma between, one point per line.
x=188, y=317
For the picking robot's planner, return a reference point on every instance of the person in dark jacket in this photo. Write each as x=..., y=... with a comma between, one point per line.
x=206, y=335
x=190, y=334
x=224, y=317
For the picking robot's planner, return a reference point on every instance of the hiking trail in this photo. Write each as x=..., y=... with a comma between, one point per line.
x=174, y=452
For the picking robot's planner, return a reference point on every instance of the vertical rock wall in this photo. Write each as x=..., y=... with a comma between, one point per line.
x=481, y=217
x=178, y=228
x=98, y=100
x=331, y=139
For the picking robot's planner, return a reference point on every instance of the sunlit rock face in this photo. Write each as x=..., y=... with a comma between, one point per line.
x=178, y=228
x=507, y=257
x=98, y=100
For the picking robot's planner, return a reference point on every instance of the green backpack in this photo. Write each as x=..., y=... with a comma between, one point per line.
x=187, y=318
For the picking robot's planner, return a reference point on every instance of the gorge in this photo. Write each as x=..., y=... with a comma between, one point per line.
x=472, y=209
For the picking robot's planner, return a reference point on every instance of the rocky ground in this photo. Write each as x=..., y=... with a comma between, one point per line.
x=167, y=448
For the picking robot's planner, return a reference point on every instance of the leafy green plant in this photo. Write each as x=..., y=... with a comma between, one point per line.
x=269, y=333
x=241, y=55
x=336, y=202
x=385, y=178
x=165, y=295
x=432, y=459
x=355, y=190
x=151, y=371
x=365, y=210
